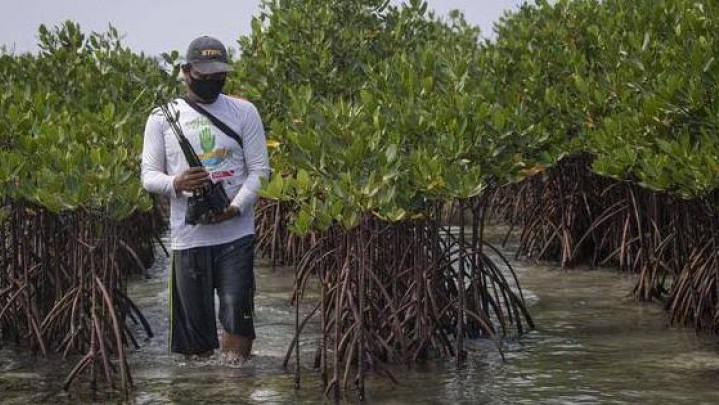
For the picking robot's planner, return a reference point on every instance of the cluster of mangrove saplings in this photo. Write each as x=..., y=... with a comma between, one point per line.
x=622, y=99
x=590, y=125
x=379, y=122
x=74, y=222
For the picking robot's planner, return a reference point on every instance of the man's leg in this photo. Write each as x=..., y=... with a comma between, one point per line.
x=192, y=303
x=235, y=282
x=236, y=345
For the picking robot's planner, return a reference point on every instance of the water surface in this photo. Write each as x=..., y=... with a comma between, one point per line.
x=592, y=345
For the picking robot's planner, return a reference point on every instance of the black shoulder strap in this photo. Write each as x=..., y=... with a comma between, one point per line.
x=215, y=121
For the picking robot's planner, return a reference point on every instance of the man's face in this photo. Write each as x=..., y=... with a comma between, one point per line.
x=205, y=87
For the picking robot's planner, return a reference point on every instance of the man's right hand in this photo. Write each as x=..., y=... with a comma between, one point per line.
x=191, y=179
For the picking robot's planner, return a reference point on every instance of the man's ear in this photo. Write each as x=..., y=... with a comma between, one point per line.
x=185, y=69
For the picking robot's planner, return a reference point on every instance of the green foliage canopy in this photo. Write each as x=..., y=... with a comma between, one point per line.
x=380, y=114
x=380, y=109
x=73, y=117
x=635, y=83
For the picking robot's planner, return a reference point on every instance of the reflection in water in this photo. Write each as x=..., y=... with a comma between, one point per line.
x=593, y=345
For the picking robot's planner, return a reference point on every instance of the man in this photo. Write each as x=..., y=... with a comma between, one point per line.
x=217, y=255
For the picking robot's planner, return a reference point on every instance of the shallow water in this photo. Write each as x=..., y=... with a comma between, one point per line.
x=592, y=345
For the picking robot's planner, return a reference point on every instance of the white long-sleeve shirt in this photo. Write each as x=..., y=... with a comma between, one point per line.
x=238, y=168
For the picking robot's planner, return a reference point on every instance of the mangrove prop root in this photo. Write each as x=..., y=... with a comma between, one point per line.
x=401, y=292
x=572, y=216
x=63, y=281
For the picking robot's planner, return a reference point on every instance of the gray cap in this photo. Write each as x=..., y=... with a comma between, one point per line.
x=207, y=55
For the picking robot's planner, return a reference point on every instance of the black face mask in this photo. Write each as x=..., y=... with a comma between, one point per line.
x=207, y=90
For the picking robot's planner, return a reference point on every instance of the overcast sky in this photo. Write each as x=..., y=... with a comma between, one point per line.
x=156, y=26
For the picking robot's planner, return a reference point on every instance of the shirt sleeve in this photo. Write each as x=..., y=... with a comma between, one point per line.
x=256, y=158
x=154, y=162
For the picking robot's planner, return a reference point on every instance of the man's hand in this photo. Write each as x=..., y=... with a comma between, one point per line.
x=191, y=179
x=229, y=213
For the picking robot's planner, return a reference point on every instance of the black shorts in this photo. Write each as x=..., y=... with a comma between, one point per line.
x=194, y=275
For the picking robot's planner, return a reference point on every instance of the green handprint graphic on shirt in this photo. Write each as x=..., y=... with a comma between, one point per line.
x=207, y=138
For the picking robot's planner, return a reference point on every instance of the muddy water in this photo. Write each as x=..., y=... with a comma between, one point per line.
x=593, y=345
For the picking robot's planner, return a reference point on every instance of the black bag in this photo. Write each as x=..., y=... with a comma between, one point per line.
x=204, y=205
